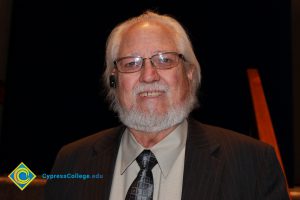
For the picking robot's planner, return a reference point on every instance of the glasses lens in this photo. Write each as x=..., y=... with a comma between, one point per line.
x=129, y=64
x=165, y=60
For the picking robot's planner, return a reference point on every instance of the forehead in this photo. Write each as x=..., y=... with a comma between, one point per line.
x=147, y=38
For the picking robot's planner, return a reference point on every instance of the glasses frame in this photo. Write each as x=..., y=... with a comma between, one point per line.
x=180, y=56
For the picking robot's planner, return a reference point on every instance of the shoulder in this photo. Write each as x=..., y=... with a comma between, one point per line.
x=92, y=143
x=233, y=148
x=250, y=164
x=226, y=138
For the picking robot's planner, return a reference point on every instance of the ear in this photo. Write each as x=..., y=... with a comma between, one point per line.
x=190, y=72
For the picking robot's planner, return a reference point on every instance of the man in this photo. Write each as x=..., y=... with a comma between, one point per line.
x=152, y=76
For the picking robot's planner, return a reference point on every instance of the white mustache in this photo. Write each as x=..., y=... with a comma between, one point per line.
x=146, y=87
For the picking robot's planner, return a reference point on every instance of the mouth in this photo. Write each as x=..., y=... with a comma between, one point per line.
x=150, y=93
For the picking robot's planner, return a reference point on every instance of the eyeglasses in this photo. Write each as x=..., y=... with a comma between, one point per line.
x=164, y=60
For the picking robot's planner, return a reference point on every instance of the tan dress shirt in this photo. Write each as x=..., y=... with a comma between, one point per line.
x=167, y=174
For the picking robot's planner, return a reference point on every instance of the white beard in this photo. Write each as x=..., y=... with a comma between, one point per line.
x=152, y=121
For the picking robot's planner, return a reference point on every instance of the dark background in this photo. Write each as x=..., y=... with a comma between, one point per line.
x=56, y=58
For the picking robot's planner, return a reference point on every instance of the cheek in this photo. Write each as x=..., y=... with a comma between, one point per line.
x=179, y=86
x=125, y=87
x=183, y=88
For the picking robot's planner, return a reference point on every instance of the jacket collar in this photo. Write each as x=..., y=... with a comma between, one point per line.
x=105, y=151
x=203, y=168
x=111, y=139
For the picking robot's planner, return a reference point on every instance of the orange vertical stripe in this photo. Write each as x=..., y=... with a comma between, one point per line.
x=263, y=119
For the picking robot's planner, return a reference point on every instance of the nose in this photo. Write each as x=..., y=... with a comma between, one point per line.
x=148, y=73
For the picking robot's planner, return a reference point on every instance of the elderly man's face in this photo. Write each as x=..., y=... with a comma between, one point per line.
x=151, y=92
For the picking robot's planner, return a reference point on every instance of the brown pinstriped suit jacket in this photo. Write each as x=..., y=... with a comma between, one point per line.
x=219, y=164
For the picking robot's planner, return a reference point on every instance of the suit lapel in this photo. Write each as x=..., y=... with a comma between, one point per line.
x=203, y=168
x=103, y=160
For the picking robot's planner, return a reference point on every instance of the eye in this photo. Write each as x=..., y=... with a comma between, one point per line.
x=131, y=62
x=166, y=60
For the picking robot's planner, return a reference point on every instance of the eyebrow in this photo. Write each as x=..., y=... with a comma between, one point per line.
x=153, y=53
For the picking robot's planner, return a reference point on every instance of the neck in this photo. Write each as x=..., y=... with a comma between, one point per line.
x=147, y=139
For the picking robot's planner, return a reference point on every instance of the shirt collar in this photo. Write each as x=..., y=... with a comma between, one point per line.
x=166, y=151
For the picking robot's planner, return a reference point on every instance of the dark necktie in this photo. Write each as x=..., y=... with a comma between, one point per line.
x=142, y=187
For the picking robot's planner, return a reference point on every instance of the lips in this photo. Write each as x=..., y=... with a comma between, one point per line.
x=151, y=93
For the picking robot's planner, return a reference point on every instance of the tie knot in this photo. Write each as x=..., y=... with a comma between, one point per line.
x=146, y=160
